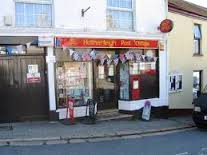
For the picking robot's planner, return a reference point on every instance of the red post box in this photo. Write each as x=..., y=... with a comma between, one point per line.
x=135, y=86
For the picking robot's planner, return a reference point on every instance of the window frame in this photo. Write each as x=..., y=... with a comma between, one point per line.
x=200, y=72
x=131, y=10
x=198, y=40
x=34, y=2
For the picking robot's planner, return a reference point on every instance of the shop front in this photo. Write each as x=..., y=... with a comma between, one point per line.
x=117, y=73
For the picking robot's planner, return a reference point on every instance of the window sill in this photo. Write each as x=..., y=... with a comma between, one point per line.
x=197, y=55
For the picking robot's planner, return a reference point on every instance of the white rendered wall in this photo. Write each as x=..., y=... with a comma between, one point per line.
x=149, y=14
x=67, y=17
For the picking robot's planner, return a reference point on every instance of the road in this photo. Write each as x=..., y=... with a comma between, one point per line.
x=191, y=142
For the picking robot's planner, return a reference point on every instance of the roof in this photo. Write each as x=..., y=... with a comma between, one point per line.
x=187, y=8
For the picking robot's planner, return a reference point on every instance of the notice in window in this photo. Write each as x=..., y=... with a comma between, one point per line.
x=33, y=76
x=111, y=70
x=33, y=68
x=101, y=72
x=136, y=84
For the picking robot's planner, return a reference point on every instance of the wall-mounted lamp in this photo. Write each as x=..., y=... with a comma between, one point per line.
x=83, y=11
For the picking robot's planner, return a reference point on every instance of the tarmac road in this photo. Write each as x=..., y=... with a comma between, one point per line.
x=189, y=142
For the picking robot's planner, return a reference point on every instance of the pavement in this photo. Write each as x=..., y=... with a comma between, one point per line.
x=45, y=132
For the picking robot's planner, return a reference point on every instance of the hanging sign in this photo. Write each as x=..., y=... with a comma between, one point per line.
x=33, y=76
x=166, y=26
x=105, y=43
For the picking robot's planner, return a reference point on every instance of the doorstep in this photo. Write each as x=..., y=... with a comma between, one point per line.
x=111, y=114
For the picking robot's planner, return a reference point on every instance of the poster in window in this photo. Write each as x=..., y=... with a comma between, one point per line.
x=101, y=72
x=33, y=76
x=136, y=84
x=33, y=68
x=111, y=70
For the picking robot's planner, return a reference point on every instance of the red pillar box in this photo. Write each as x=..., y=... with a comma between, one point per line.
x=70, y=110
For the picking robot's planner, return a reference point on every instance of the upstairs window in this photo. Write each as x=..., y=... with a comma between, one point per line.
x=120, y=15
x=35, y=14
x=197, y=39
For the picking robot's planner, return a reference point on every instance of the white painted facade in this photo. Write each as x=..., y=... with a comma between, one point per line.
x=67, y=21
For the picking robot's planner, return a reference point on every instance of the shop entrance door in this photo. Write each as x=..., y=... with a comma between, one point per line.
x=105, y=86
x=23, y=91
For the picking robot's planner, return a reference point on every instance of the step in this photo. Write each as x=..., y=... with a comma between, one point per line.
x=112, y=114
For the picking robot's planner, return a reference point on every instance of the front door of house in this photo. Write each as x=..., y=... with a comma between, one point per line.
x=23, y=90
x=105, y=86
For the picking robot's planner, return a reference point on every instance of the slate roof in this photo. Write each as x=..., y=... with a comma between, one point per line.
x=187, y=8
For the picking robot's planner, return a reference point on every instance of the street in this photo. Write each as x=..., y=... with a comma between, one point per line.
x=190, y=142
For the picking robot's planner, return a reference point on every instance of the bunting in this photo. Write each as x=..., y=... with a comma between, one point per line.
x=105, y=59
x=93, y=54
x=122, y=57
x=116, y=59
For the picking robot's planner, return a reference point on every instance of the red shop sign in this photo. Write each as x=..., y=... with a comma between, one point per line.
x=166, y=26
x=105, y=43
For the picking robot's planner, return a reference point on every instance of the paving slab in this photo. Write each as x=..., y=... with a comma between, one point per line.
x=55, y=132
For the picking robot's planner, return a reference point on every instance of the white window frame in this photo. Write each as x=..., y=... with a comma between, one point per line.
x=197, y=50
x=35, y=1
x=132, y=10
x=178, y=78
x=43, y=2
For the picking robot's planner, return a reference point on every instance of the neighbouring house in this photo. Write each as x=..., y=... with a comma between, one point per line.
x=187, y=54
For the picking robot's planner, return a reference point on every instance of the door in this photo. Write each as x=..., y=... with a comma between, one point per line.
x=197, y=78
x=23, y=88
x=105, y=86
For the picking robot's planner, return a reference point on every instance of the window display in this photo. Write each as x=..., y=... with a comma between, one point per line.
x=140, y=79
x=73, y=81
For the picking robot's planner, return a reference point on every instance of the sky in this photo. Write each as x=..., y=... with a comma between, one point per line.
x=199, y=2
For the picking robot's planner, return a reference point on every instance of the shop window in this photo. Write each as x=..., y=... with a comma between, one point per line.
x=120, y=15
x=197, y=39
x=175, y=82
x=196, y=83
x=140, y=80
x=35, y=14
x=73, y=78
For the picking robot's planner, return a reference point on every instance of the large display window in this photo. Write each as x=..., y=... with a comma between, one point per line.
x=73, y=79
x=140, y=79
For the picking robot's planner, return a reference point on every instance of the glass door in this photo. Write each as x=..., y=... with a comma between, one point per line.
x=105, y=88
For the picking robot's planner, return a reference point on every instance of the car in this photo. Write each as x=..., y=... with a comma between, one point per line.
x=200, y=111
